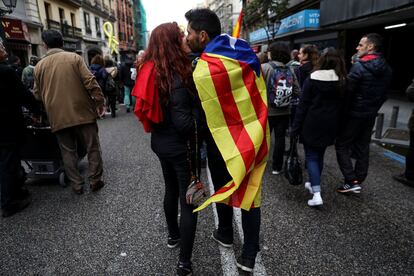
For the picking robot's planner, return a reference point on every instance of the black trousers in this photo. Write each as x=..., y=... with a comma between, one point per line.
x=353, y=142
x=11, y=178
x=409, y=159
x=278, y=125
x=177, y=178
x=250, y=219
x=112, y=104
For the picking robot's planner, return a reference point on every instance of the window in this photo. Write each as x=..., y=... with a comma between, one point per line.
x=98, y=26
x=87, y=22
x=61, y=15
x=72, y=19
x=47, y=10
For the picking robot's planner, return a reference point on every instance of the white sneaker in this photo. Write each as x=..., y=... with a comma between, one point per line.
x=308, y=187
x=316, y=200
x=276, y=172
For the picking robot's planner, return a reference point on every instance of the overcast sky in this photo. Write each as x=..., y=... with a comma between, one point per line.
x=162, y=11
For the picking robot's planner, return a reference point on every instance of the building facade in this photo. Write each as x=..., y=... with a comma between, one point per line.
x=125, y=24
x=228, y=12
x=140, y=25
x=22, y=30
x=94, y=14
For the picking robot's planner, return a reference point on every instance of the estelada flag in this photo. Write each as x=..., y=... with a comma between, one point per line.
x=233, y=95
x=237, y=28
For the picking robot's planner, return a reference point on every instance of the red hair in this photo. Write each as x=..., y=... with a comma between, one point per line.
x=166, y=52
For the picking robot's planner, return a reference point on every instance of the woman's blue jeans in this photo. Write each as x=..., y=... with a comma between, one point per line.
x=314, y=163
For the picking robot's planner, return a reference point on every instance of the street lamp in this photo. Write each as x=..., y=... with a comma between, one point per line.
x=10, y=5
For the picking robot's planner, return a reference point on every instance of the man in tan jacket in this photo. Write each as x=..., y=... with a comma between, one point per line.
x=73, y=100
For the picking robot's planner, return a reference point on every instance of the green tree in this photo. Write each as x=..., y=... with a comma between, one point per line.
x=266, y=13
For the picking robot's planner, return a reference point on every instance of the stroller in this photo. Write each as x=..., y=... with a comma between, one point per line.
x=41, y=152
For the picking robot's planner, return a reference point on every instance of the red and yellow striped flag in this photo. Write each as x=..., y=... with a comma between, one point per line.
x=233, y=95
x=237, y=28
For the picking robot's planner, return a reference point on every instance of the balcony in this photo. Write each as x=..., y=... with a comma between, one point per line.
x=76, y=3
x=64, y=28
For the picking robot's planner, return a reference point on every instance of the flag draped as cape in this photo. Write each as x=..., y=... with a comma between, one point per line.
x=147, y=107
x=233, y=95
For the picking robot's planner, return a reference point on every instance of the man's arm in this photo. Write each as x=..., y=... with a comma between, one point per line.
x=410, y=91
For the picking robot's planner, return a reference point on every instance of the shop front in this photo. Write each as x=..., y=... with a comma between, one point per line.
x=17, y=39
x=297, y=29
x=394, y=20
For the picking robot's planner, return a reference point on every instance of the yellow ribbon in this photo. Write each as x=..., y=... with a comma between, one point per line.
x=112, y=42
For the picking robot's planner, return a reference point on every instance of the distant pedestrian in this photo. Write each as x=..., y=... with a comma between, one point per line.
x=294, y=59
x=73, y=100
x=15, y=63
x=112, y=84
x=13, y=96
x=97, y=68
x=408, y=176
x=308, y=57
x=367, y=83
x=317, y=119
x=27, y=74
x=127, y=83
x=282, y=85
x=166, y=106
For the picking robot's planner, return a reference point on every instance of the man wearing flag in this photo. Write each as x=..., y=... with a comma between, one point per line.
x=233, y=96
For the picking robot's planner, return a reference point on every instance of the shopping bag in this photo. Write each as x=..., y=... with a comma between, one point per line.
x=292, y=166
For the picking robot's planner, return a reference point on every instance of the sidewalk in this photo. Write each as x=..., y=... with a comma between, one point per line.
x=405, y=109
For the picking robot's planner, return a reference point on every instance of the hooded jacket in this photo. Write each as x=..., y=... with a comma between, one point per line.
x=368, y=82
x=319, y=110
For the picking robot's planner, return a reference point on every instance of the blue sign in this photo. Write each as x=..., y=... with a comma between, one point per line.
x=299, y=21
x=306, y=19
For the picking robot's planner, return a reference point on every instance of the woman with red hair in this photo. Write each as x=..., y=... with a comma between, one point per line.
x=166, y=107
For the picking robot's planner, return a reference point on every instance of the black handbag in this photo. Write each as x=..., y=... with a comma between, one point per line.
x=293, y=167
x=196, y=192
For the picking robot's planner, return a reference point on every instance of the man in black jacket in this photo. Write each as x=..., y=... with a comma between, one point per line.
x=368, y=81
x=13, y=96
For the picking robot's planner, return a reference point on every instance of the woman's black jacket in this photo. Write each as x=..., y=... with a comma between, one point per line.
x=169, y=138
x=318, y=113
x=14, y=95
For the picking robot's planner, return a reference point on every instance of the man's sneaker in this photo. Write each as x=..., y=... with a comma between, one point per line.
x=352, y=187
x=245, y=264
x=223, y=241
x=173, y=242
x=276, y=172
x=97, y=186
x=316, y=200
x=403, y=179
x=184, y=269
x=308, y=187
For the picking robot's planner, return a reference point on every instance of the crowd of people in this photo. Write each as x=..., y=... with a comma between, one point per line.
x=310, y=95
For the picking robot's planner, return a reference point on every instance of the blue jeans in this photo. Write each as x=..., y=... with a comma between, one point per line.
x=314, y=163
x=129, y=100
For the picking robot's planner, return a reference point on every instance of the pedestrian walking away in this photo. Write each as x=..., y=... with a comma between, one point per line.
x=166, y=106
x=282, y=86
x=73, y=101
x=14, y=95
x=237, y=70
x=318, y=114
x=367, y=85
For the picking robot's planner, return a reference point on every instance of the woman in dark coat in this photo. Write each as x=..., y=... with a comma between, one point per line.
x=318, y=115
x=308, y=57
x=165, y=104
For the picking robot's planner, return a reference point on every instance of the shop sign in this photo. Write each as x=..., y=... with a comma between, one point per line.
x=306, y=19
x=15, y=29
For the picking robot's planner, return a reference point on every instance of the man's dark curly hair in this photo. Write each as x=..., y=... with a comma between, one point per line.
x=204, y=20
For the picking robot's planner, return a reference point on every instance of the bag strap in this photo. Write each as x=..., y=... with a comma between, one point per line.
x=194, y=171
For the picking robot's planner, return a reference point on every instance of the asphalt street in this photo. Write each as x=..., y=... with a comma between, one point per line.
x=121, y=229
